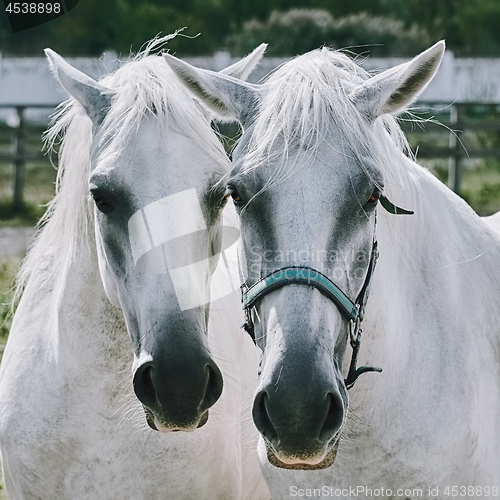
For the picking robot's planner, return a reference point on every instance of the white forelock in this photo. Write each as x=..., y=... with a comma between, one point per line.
x=304, y=100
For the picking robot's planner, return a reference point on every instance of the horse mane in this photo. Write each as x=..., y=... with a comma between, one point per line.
x=143, y=86
x=302, y=99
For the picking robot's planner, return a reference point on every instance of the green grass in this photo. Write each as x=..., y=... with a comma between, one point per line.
x=8, y=271
x=29, y=214
x=481, y=189
x=39, y=179
x=480, y=186
x=3, y=493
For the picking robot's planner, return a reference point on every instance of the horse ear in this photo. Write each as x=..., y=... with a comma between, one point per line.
x=95, y=98
x=394, y=90
x=245, y=66
x=228, y=97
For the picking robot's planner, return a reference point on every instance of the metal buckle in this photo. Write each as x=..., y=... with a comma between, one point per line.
x=354, y=326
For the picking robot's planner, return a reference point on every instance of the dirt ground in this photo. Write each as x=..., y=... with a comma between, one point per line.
x=14, y=241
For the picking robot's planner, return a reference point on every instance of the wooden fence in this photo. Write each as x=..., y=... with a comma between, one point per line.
x=460, y=129
x=456, y=150
x=20, y=153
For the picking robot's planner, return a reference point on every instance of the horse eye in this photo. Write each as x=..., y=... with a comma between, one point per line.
x=237, y=199
x=374, y=197
x=101, y=203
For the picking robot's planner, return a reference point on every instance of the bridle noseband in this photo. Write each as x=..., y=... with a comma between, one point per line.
x=352, y=311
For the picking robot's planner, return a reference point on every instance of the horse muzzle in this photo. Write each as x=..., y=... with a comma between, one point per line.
x=299, y=434
x=301, y=464
x=177, y=398
x=156, y=426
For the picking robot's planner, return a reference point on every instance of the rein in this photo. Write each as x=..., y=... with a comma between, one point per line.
x=352, y=311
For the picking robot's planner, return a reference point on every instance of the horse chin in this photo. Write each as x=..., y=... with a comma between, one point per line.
x=157, y=426
x=294, y=463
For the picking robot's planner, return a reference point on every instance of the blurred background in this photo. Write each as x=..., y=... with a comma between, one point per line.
x=464, y=151
x=396, y=27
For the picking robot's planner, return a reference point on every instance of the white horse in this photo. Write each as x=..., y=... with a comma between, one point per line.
x=70, y=425
x=319, y=160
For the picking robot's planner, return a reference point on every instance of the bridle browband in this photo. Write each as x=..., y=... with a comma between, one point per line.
x=352, y=311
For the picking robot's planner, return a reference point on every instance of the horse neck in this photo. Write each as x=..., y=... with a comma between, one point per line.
x=443, y=230
x=434, y=268
x=81, y=322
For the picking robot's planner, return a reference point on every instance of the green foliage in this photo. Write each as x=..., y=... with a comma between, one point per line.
x=94, y=26
x=385, y=36
x=300, y=30
x=470, y=27
x=143, y=20
x=287, y=33
x=8, y=270
x=479, y=21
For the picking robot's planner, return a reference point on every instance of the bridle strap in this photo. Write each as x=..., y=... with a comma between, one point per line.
x=305, y=276
x=365, y=289
x=393, y=209
x=352, y=311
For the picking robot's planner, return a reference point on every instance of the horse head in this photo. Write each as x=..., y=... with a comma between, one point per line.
x=154, y=175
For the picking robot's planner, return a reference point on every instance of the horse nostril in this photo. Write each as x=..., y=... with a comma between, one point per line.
x=214, y=386
x=144, y=386
x=334, y=417
x=261, y=417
